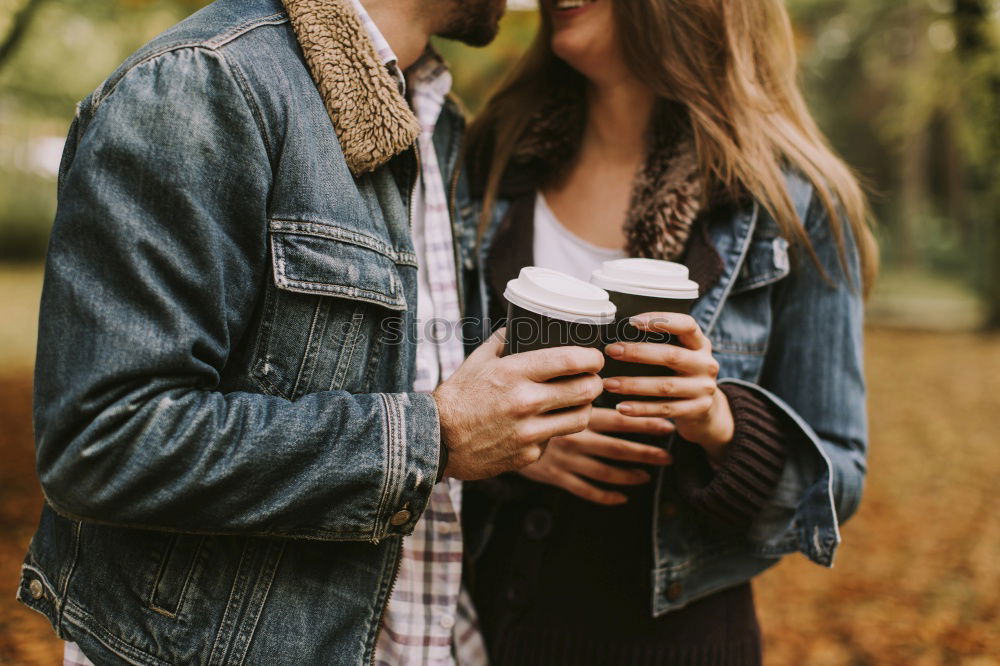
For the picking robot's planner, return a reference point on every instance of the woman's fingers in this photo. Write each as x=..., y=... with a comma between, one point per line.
x=599, y=471
x=662, y=387
x=574, y=484
x=683, y=326
x=693, y=408
x=684, y=361
x=596, y=444
x=609, y=420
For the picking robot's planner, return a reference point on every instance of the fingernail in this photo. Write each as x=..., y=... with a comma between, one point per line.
x=643, y=321
x=614, y=350
x=619, y=499
x=624, y=408
x=612, y=384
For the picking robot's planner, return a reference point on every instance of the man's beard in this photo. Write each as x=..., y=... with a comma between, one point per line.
x=474, y=22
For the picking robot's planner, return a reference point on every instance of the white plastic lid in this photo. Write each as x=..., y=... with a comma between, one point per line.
x=646, y=277
x=560, y=296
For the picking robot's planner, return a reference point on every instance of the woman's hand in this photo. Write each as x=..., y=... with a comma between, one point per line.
x=569, y=462
x=691, y=398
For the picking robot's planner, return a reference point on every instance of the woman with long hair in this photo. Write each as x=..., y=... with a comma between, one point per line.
x=674, y=130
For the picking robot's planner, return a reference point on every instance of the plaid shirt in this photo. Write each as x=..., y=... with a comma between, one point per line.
x=430, y=620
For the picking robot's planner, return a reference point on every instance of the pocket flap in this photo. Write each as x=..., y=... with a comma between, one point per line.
x=766, y=262
x=312, y=258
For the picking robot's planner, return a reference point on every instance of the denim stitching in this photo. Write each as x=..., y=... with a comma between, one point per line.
x=159, y=576
x=108, y=86
x=378, y=529
x=60, y=604
x=247, y=26
x=374, y=354
x=240, y=80
x=126, y=651
x=348, y=348
x=227, y=626
x=261, y=348
x=347, y=291
x=309, y=355
x=308, y=287
x=335, y=232
x=258, y=598
x=729, y=283
x=187, y=579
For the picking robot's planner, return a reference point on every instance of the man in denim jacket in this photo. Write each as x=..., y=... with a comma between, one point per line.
x=228, y=435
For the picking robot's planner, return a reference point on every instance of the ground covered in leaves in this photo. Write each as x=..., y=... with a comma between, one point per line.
x=916, y=582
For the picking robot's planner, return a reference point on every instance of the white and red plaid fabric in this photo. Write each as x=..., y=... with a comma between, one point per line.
x=72, y=656
x=430, y=620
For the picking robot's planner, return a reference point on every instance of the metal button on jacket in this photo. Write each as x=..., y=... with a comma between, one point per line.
x=36, y=589
x=400, y=518
x=674, y=591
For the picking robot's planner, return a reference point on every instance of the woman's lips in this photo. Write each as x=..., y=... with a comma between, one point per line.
x=568, y=8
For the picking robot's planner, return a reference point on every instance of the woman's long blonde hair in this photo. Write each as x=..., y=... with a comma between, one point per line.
x=731, y=64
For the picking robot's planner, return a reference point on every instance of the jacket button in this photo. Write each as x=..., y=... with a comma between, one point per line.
x=36, y=589
x=674, y=591
x=538, y=524
x=400, y=518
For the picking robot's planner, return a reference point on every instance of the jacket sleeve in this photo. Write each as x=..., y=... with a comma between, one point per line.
x=813, y=372
x=157, y=261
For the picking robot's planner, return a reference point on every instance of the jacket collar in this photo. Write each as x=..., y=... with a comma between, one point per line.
x=372, y=119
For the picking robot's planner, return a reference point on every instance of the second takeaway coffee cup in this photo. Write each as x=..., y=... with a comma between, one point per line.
x=546, y=308
x=637, y=286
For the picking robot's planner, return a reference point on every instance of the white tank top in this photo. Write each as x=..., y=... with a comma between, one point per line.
x=558, y=248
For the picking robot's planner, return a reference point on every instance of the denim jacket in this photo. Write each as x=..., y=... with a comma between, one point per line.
x=227, y=437
x=780, y=329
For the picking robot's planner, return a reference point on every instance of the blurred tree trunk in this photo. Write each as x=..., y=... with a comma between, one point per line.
x=913, y=196
x=914, y=185
x=971, y=17
x=956, y=187
x=19, y=26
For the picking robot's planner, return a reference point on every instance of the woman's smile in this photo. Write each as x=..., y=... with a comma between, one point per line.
x=563, y=9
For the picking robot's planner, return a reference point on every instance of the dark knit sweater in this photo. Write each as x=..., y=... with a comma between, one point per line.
x=566, y=581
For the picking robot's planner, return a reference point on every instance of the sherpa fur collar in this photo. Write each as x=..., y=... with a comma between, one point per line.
x=667, y=194
x=372, y=119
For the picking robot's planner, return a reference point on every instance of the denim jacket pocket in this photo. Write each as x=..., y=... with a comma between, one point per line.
x=175, y=574
x=334, y=293
x=766, y=262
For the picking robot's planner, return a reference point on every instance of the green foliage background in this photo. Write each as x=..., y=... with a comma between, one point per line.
x=907, y=90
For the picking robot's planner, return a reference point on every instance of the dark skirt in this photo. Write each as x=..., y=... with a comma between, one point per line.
x=565, y=581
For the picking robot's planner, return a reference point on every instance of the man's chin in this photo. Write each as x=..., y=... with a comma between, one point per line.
x=481, y=36
x=476, y=23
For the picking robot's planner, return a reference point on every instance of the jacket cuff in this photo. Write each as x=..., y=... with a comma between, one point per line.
x=413, y=454
x=735, y=491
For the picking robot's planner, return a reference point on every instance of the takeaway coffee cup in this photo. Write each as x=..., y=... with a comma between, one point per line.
x=546, y=308
x=637, y=286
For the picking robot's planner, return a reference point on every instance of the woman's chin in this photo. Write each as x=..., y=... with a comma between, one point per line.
x=579, y=54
